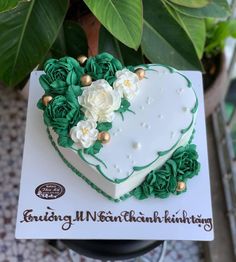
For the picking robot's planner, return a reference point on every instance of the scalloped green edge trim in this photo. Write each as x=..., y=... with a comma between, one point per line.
x=74, y=170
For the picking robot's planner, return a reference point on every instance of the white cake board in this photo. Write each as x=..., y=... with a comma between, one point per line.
x=42, y=164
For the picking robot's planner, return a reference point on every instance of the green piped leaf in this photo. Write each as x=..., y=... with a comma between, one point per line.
x=94, y=149
x=124, y=106
x=65, y=141
x=105, y=126
x=122, y=18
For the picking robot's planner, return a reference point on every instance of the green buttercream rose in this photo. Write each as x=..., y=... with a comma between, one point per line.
x=60, y=74
x=186, y=161
x=62, y=114
x=161, y=182
x=103, y=66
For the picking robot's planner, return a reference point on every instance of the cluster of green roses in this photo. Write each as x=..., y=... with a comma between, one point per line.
x=62, y=83
x=162, y=182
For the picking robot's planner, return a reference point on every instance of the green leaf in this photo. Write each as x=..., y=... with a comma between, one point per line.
x=122, y=18
x=105, y=126
x=216, y=8
x=194, y=27
x=70, y=41
x=127, y=56
x=164, y=41
x=27, y=33
x=6, y=5
x=191, y=3
x=217, y=35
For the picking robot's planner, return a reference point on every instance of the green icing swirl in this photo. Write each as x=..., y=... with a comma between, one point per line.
x=162, y=182
x=103, y=66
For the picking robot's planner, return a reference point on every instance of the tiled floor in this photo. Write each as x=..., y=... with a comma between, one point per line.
x=12, y=126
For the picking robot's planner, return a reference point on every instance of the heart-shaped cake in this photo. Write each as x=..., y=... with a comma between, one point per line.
x=124, y=130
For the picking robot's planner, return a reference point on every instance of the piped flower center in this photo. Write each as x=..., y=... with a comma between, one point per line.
x=127, y=83
x=84, y=130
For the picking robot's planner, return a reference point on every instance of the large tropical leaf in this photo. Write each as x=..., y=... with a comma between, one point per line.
x=164, y=41
x=6, y=5
x=70, y=41
x=127, y=56
x=27, y=33
x=191, y=3
x=216, y=8
x=194, y=27
x=122, y=18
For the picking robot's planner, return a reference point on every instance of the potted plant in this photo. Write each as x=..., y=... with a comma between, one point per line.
x=214, y=62
x=167, y=31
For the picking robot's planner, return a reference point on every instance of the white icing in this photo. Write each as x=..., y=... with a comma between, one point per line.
x=99, y=101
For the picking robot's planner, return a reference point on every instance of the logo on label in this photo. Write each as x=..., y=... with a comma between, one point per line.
x=50, y=190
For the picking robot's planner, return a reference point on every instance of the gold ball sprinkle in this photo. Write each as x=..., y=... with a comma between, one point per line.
x=82, y=59
x=104, y=137
x=181, y=186
x=46, y=99
x=86, y=80
x=140, y=73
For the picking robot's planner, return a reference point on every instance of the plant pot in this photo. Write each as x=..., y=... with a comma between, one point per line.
x=216, y=92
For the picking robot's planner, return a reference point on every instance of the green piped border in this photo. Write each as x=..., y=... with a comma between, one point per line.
x=74, y=170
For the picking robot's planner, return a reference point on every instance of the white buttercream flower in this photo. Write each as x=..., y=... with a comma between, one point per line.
x=84, y=133
x=127, y=84
x=99, y=101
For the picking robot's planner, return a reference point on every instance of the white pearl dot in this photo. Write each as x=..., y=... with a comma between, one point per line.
x=137, y=145
x=185, y=109
x=118, y=170
x=115, y=166
x=160, y=116
x=129, y=156
x=179, y=91
x=141, y=107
